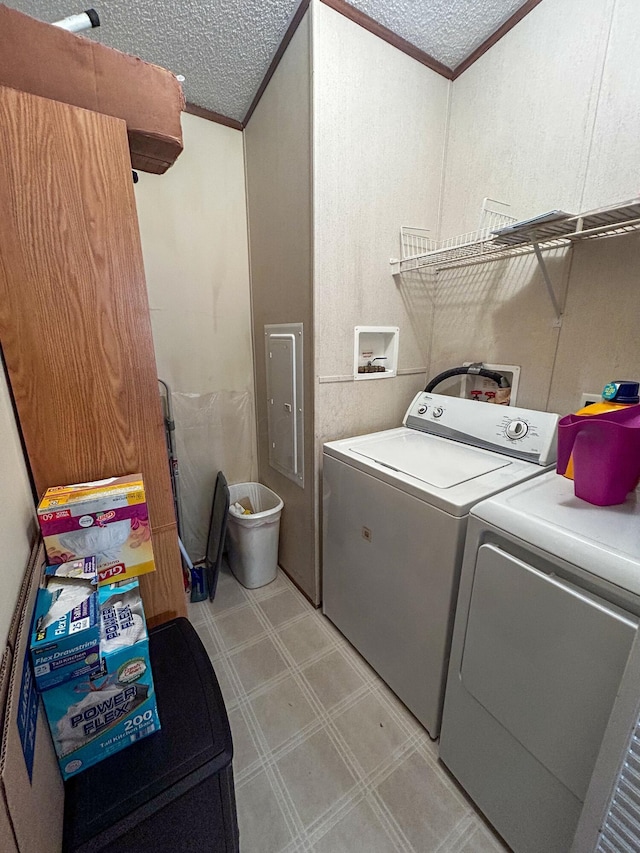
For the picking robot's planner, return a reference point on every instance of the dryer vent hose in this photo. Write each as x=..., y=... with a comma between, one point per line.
x=500, y=380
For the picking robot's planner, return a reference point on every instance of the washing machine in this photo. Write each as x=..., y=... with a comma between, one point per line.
x=546, y=618
x=395, y=510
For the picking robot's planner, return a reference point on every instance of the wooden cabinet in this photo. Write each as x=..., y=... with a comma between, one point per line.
x=74, y=314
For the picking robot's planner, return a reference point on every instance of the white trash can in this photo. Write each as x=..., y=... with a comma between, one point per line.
x=253, y=539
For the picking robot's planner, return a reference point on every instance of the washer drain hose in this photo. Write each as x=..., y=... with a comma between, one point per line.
x=500, y=380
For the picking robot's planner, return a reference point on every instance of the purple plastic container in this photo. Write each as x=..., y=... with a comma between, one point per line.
x=606, y=454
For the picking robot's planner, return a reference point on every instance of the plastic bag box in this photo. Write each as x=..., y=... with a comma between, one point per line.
x=93, y=718
x=65, y=634
x=107, y=518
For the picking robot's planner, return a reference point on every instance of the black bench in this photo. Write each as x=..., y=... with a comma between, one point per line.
x=172, y=791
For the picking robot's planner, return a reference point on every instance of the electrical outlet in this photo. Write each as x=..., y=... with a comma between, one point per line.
x=589, y=398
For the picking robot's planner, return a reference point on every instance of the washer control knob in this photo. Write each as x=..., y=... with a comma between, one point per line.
x=422, y=410
x=517, y=429
x=437, y=412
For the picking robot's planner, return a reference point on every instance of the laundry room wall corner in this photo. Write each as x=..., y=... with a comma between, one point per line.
x=194, y=241
x=278, y=156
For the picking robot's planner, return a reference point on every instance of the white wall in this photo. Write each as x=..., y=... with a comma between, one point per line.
x=17, y=512
x=379, y=123
x=546, y=119
x=194, y=242
x=613, y=173
x=278, y=151
x=522, y=116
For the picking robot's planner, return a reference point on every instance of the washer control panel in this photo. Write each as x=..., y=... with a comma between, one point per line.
x=522, y=433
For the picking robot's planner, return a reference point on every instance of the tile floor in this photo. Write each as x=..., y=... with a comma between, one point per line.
x=327, y=760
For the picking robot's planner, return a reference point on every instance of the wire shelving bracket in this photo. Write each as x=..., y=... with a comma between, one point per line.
x=537, y=235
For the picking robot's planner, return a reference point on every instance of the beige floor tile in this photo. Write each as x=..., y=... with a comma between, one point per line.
x=305, y=638
x=332, y=679
x=229, y=593
x=280, y=583
x=370, y=731
x=428, y=747
x=263, y=828
x=425, y=807
x=477, y=838
x=229, y=692
x=258, y=663
x=282, y=712
x=245, y=752
x=238, y=626
x=208, y=640
x=421, y=797
x=282, y=607
x=359, y=662
x=331, y=628
x=315, y=775
x=359, y=830
x=196, y=612
x=409, y=722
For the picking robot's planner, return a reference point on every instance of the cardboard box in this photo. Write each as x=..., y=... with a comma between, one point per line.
x=30, y=783
x=56, y=64
x=108, y=519
x=7, y=840
x=92, y=719
x=66, y=645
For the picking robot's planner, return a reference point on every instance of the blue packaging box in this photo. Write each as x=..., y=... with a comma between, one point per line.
x=65, y=639
x=122, y=621
x=91, y=719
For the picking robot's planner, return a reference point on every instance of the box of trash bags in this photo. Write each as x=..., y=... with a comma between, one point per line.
x=107, y=519
x=90, y=652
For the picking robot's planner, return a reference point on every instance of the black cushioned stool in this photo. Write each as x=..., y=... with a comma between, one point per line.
x=172, y=791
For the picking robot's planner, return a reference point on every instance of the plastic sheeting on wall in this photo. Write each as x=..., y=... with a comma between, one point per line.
x=214, y=432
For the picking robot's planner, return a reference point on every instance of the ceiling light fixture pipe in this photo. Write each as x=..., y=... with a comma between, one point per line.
x=77, y=23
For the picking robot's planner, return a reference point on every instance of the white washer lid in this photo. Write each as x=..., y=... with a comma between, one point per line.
x=603, y=540
x=460, y=493
x=428, y=461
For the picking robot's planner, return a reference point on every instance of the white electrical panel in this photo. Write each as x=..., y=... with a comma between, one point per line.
x=285, y=407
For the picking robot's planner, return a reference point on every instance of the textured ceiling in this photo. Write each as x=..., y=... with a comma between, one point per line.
x=448, y=30
x=224, y=47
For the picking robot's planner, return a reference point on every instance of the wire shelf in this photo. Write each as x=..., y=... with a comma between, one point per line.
x=418, y=248
x=485, y=244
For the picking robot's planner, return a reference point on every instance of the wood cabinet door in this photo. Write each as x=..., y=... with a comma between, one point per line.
x=74, y=313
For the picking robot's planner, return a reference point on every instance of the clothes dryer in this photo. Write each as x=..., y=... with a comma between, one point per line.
x=546, y=617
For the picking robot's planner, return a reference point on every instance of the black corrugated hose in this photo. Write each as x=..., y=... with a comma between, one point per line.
x=500, y=380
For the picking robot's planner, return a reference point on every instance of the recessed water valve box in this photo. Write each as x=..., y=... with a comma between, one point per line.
x=485, y=389
x=375, y=353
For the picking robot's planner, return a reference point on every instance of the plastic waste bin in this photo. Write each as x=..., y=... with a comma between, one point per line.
x=253, y=539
